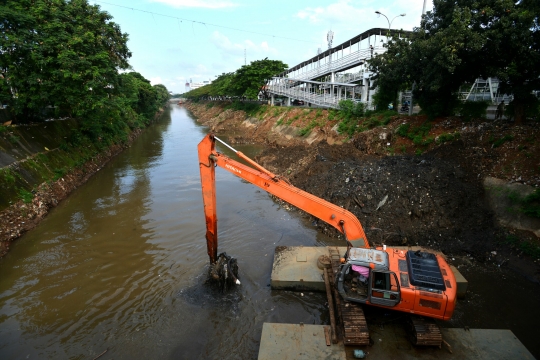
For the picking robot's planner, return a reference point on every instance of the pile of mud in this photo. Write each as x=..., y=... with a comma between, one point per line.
x=400, y=200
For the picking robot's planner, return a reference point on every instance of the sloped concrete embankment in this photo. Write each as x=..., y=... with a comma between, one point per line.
x=37, y=173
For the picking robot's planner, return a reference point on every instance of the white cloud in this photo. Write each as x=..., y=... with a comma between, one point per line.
x=342, y=15
x=237, y=49
x=207, y=4
x=339, y=12
x=156, y=80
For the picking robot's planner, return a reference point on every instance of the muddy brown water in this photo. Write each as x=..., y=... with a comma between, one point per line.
x=120, y=266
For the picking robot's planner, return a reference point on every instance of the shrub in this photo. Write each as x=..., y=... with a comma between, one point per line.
x=25, y=195
x=418, y=134
x=469, y=110
x=250, y=108
x=441, y=139
x=498, y=142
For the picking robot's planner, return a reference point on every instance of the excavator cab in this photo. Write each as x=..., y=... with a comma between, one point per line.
x=366, y=278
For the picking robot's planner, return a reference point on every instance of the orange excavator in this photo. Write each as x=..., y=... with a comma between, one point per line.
x=418, y=282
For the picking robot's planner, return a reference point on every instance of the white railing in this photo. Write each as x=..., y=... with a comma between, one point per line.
x=323, y=100
x=350, y=60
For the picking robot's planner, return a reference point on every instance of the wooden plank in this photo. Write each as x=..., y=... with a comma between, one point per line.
x=327, y=335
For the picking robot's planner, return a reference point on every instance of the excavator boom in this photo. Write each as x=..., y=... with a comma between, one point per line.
x=341, y=219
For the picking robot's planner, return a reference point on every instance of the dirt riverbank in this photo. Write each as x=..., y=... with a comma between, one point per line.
x=406, y=186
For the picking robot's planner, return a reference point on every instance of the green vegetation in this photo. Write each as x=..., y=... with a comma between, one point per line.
x=249, y=108
x=8, y=175
x=307, y=129
x=498, y=142
x=527, y=247
x=418, y=135
x=350, y=113
x=528, y=205
x=246, y=82
x=354, y=118
x=51, y=67
x=447, y=137
x=457, y=42
x=469, y=110
x=25, y=195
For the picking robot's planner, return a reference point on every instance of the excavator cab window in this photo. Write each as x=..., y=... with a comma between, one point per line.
x=381, y=281
x=384, y=288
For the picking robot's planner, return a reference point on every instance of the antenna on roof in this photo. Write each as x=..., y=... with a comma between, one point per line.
x=330, y=37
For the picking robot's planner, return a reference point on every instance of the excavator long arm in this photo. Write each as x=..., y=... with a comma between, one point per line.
x=341, y=219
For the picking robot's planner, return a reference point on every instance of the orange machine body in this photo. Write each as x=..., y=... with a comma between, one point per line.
x=396, y=266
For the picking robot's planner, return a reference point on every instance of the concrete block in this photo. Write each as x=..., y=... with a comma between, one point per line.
x=485, y=344
x=462, y=283
x=294, y=341
x=295, y=268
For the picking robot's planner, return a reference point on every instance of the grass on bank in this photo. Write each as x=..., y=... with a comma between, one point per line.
x=528, y=248
x=99, y=130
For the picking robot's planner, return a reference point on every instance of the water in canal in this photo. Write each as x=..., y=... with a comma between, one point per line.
x=121, y=263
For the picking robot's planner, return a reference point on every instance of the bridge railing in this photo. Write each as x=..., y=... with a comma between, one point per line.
x=350, y=60
x=323, y=100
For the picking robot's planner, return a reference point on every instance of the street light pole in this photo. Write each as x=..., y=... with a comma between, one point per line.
x=389, y=22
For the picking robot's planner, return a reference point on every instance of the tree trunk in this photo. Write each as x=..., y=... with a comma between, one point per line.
x=519, y=112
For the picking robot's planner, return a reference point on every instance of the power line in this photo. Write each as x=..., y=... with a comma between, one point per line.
x=204, y=23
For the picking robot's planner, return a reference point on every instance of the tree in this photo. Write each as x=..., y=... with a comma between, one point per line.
x=513, y=28
x=222, y=85
x=390, y=73
x=460, y=41
x=250, y=79
x=58, y=53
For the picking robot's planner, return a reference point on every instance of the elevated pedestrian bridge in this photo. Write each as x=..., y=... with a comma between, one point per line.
x=336, y=74
x=341, y=73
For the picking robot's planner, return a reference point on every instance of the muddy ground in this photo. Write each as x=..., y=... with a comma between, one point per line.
x=403, y=194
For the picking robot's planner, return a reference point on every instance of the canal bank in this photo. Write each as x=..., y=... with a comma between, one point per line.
x=39, y=168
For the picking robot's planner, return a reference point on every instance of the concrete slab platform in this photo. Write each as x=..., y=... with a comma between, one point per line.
x=295, y=268
x=294, y=341
x=474, y=344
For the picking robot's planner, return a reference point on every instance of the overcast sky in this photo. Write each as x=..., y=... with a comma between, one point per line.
x=173, y=41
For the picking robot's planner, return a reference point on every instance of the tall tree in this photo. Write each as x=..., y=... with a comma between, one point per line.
x=461, y=40
x=251, y=79
x=58, y=53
